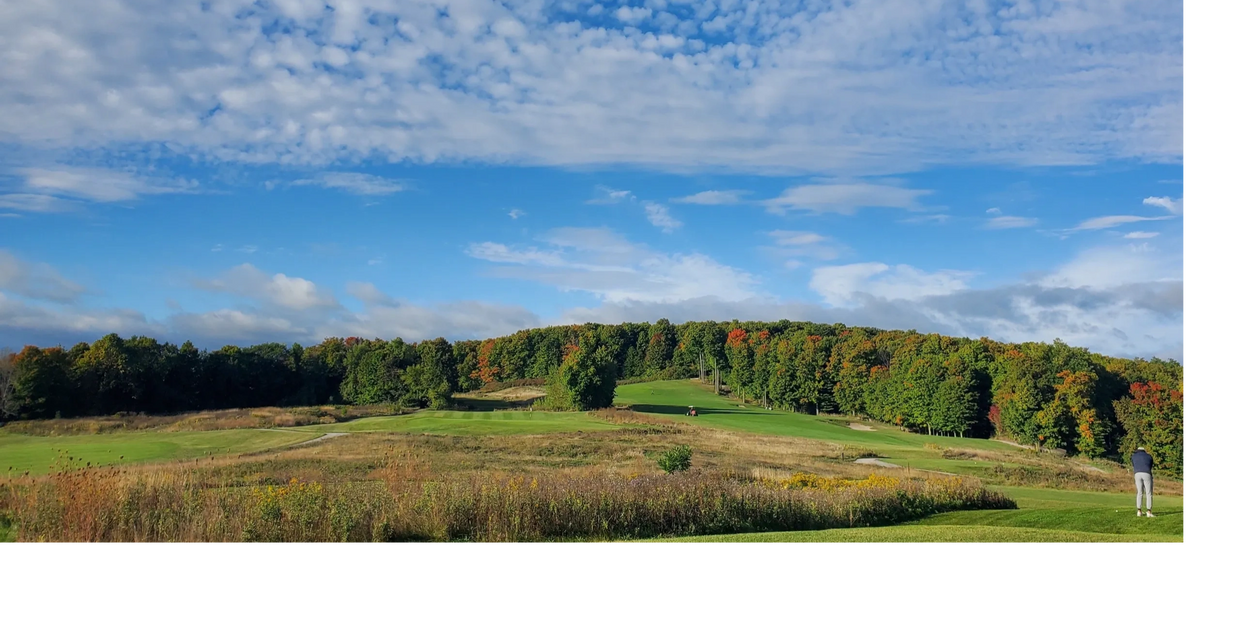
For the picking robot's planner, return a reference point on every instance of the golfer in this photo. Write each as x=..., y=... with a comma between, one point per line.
x=1143, y=471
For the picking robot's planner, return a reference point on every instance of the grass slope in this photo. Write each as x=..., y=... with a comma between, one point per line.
x=22, y=453
x=675, y=397
x=473, y=423
x=932, y=533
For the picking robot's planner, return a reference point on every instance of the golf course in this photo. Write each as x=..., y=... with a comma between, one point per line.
x=1055, y=498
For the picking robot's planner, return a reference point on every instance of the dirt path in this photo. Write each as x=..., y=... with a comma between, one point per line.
x=1013, y=443
x=301, y=443
x=880, y=463
x=310, y=441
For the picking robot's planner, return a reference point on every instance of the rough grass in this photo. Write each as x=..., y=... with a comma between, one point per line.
x=225, y=419
x=932, y=533
x=33, y=455
x=473, y=423
x=406, y=502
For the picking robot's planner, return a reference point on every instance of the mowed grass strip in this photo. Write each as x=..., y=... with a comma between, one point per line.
x=675, y=397
x=1030, y=497
x=931, y=533
x=22, y=453
x=474, y=423
x=1169, y=523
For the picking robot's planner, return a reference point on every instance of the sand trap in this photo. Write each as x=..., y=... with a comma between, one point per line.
x=877, y=463
x=859, y=427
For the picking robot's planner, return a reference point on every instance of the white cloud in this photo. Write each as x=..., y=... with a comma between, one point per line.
x=791, y=244
x=1111, y=221
x=368, y=293
x=712, y=197
x=354, y=183
x=100, y=184
x=500, y=253
x=660, y=217
x=607, y=196
x=844, y=285
x=796, y=238
x=1010, y=221
x=1111, y=266
x=279, y=290
x=845, y=198
x=462, y=319
x=515, y=213
x=819, y=87
x=937, y=218
x=1166, y=202
x=632, y=15
x=25, y=323
x=36, y=280
x=235, y=326
x=994, y=211
x=1118, y=300
x=1140, y=235
x=602, y=263
x=35, y=203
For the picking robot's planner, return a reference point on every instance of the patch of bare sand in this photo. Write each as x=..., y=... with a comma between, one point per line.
x=859, y=427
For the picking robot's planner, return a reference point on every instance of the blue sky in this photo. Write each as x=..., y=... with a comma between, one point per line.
x=287, y=170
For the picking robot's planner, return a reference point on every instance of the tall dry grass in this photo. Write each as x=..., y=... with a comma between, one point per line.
x=404, y=500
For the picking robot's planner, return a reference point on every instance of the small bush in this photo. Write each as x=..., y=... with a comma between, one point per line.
x=676, y=459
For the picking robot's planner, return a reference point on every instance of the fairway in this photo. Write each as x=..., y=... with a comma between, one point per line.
x=505, y=422
x=675, y=397
x=22, y=453
x=931, y=533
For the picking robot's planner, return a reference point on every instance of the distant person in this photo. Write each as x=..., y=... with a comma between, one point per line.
x=1143, y=471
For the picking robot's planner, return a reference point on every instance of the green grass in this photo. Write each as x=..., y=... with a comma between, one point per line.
x=1027, y=497
x=473, y=423
x=675, y=397
x=1168, y=523
x=932, y=533
x=21, y=453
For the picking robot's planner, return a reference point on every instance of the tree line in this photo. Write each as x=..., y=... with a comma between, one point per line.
x=1050, y=395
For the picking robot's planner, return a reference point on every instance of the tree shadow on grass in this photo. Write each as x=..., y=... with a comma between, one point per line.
x=680, y=410
x=491, y=404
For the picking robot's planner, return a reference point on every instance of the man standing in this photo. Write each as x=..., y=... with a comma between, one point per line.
x=1143, y=470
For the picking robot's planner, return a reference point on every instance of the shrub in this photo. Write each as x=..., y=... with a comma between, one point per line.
x=676, y=459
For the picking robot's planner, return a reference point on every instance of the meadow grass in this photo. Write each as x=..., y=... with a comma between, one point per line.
x=404, y=501
x=20, y=454
x=930, y=533
x=511, y=422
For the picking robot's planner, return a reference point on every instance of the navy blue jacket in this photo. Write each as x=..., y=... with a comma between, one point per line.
x=1142, y=462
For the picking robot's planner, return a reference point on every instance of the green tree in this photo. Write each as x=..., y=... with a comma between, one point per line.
x=1152, y=416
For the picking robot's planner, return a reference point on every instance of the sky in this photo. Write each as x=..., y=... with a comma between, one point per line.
x=236, y=172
